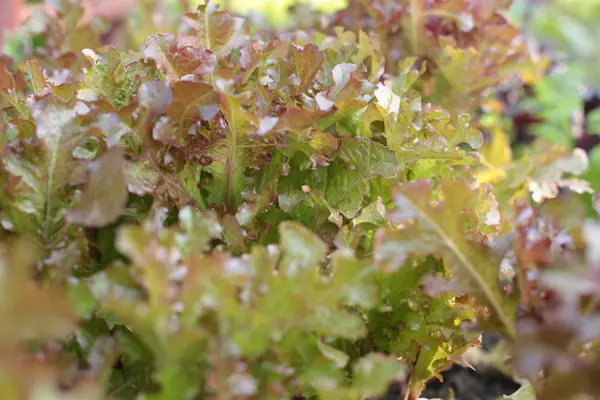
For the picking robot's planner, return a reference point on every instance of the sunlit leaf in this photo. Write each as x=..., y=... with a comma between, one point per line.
x=432, y=228
x=302, y=249
x=338, y=357
x=374, y=372
x=178, y=60
x=218, y=31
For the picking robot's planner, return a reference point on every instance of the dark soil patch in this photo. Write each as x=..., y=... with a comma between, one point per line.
x=461, y=383
x=483, y=384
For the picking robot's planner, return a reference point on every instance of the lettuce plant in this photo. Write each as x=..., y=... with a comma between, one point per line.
x=229, y=212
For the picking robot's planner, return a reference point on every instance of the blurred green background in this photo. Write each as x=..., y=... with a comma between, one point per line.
x=275, y=10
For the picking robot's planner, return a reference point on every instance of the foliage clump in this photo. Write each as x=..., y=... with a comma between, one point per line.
x=223, y=210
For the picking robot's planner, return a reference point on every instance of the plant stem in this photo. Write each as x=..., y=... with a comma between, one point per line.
x=415, y=22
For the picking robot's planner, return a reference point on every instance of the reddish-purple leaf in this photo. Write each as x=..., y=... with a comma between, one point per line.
x=298, y=119
x=179, y=60
x=215, y=30
x=193, y=101
x=155, y=96
x=104, y=198
x=308, y=62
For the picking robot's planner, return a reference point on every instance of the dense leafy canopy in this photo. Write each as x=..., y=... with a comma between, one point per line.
x=219, y=209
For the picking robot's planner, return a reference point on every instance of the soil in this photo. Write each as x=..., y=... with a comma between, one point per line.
x=461, y=383
x=467, y=384
x=484, y=383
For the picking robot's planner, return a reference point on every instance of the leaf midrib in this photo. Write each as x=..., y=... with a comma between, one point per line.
x=229, y=163
x=471, y=269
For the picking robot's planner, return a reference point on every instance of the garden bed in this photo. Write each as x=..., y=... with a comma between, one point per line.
x=198, y=205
